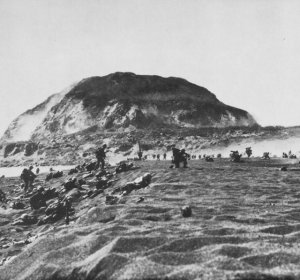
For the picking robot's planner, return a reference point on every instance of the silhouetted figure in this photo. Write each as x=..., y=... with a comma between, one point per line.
x=140, y=155
x=249, y=151
x=67, y=205
x=235, y=156
x=266, y=155
x=28, y=177
x=101, y=155
x=180, y=156
x=209, y=159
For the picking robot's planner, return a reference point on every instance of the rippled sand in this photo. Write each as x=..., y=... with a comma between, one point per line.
x=245, y=225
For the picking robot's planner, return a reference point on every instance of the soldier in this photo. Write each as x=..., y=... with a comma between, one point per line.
x=67, y=205
x=165, y=156
x=28, y=177
x=158, y=156
x=140, y=154
x=266, y=155
x=101, y=155
x=235, y=156
x=176, y=157
x=184, y=157
x=249, y=151
x=38, y=200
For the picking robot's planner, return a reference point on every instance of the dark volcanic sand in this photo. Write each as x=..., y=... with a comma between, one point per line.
x=245, y=225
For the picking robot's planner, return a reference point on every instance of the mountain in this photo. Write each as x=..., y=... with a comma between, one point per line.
x=120, y=100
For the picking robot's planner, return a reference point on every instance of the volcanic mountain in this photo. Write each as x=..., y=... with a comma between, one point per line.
x=120, y=100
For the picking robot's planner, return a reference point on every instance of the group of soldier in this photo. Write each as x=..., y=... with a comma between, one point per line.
x=178, y=156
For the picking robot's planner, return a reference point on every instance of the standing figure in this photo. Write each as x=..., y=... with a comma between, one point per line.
x=140, y=154
x=28, y=177
x=67, y=205
x=184, y=157
x=165, y=156
x=101, y=155
x=176, y=157
x=249, y=151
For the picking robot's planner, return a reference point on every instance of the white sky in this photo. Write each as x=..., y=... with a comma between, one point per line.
x=247, y=52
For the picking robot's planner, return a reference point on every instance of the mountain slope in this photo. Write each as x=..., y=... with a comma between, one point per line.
x=125, y=99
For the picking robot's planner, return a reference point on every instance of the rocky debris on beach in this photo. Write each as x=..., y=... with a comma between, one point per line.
x=155, y=223
x=59, y=196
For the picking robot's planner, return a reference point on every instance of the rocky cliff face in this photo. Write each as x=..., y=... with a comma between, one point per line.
x=120, y=100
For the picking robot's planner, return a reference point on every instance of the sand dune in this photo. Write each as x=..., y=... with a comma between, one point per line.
x=245, y=225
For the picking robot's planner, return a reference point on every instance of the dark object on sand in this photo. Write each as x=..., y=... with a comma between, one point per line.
x=180, y=156
x=249, y=151
x=70, y=184
x=266, y=155
x=123, y=167
x=91, y=166
x=50, y=193
x=141, y=199
x=2, y=196
x=38, y=200
x=100, y=156
x=18, y=205
x=284, y=168
x=235, y=156
x=56, y=211
x=67, y=206
x=111, y=199
x=186, y=211
x=52, y=175
x=72, y=171
x=28, y=177
x=209, y=159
